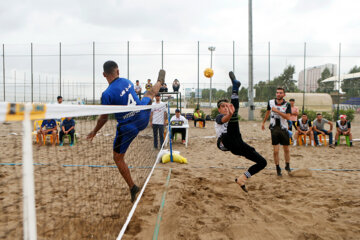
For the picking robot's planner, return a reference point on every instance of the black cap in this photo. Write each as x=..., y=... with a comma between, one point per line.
x=177, y=110
x=59, y=97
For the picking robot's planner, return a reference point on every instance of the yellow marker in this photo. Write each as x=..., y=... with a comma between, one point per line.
x=176, y=157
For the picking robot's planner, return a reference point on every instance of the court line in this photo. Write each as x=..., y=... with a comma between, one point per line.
x=159, y=216
x=147, y=167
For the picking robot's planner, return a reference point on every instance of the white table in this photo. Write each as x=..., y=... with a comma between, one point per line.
x=186, y=126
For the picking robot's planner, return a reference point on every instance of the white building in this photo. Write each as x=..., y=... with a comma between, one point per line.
x=313, y=74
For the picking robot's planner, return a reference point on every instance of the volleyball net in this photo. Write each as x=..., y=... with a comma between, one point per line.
x=55, y=186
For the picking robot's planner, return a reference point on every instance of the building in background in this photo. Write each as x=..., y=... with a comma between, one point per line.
x=313, y=74
x=189, y=91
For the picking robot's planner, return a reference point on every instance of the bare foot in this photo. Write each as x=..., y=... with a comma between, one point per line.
x=241, y=181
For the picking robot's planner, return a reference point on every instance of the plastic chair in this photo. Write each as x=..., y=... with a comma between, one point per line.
x=69, y=137
x=347, y=139
x=175, y=136
x=302, y=139
x=51, y=138
x=37, y=126
x=321, y=140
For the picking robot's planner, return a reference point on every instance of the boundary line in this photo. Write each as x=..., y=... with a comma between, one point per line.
x=146, y=167
x=132, y=211
x=159, y=216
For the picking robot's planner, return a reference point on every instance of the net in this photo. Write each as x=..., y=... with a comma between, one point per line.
x=79, y=193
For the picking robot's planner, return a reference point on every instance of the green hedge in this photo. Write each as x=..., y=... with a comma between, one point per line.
x=350, y=114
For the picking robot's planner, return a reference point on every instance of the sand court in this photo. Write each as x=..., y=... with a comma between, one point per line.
x=202, y=200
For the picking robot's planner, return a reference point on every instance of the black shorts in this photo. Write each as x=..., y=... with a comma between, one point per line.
x=279, y=136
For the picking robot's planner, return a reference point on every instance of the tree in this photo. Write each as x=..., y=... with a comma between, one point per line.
x=229, y=92
x=243, y=95
x=352, y=86
x=206, y=94
x=355, y=69
x=220, y=94
x=326, y=87
x=286, y=79
x=267, y=90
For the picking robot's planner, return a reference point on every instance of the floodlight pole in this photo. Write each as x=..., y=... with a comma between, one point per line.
x=338, y=105
x=59, y=69
x=198, y=74
x=162, y=54
x=251, y=87
x=211, y=49
x=32, y=75
x=3, y=55
x=268, y=62
x=234, y=57
x=128, y=59
x=93, y=55
x=303, y=107
x=15, y=84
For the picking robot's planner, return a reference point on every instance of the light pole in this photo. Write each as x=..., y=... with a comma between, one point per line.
x=251, y=76
x=339, y=84
x=303, y=107
x=211, y=49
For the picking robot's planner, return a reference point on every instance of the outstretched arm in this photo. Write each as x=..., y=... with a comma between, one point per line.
x=100, y=123
x=230, y=112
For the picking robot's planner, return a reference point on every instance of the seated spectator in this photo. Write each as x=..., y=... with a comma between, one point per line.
x=176, y=85
x=343, y=127
x=318, y=128
x=67, y=128
x=137, y=88
x=50, y=128
x=198, y=117
x=165, y=88
x=304, y=127
x=162, y=88
x=177, y=119
x=148, y=86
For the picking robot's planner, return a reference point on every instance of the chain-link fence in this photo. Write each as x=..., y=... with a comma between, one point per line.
x=40, y=72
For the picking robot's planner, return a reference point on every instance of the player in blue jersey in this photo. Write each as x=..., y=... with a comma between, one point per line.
x=121, y=92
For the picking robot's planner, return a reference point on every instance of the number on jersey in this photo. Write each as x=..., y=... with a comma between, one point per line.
x=131, y=100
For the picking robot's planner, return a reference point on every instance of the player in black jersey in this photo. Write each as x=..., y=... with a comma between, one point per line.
x=229, y=136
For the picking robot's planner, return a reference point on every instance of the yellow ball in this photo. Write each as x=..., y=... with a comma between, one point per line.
x=208, y=73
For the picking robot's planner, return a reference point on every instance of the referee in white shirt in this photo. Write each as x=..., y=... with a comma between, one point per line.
x=157, y=121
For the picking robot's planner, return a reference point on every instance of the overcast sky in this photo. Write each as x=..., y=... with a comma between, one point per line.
x=287, y=24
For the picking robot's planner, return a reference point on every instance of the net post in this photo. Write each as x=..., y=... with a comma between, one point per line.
x=29, y=214
x=170, y=142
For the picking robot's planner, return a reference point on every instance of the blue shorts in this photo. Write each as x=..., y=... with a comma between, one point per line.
x=127, y=132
